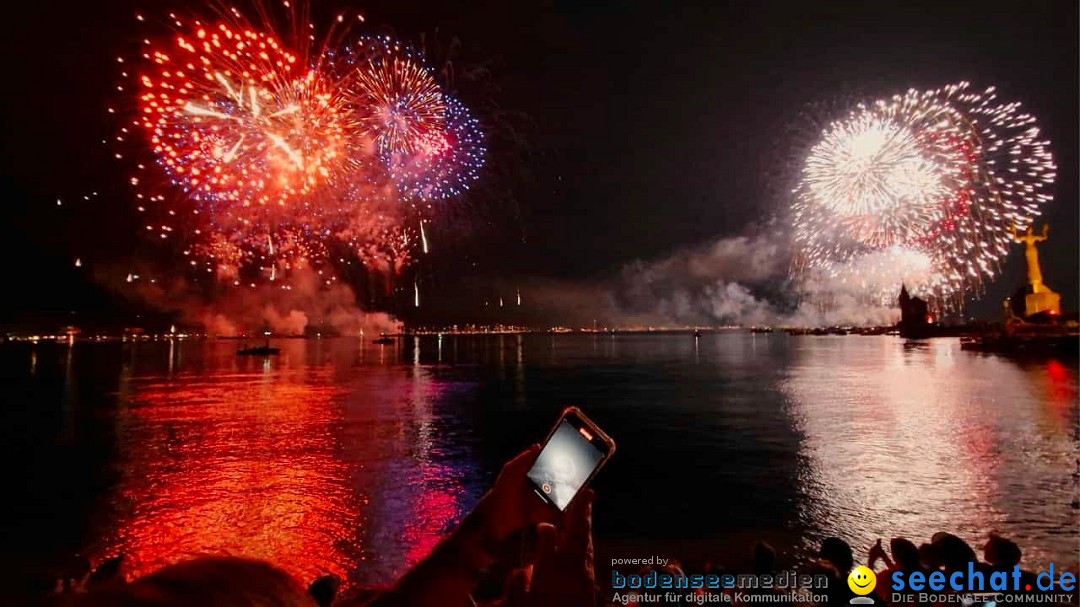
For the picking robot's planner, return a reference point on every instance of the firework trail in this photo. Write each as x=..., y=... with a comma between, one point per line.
x=922, y=188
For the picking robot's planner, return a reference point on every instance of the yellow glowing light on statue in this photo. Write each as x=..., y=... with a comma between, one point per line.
x=1041, y=298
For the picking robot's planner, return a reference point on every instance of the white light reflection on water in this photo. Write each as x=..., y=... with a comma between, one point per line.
x=918, y=438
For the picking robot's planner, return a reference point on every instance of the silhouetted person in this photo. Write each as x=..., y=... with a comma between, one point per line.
x=764, y=564
x=836, y=590
x=905, y=558
x=764, y=558
x=324, y=589
x=955, y=552
x=930, y=557
x=1000, y=553
x=837, y=552
x=215, y=581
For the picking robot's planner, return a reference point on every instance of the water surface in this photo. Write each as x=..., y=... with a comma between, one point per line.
x=340, y=456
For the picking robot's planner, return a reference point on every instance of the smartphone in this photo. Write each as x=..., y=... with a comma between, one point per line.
x=573, y=452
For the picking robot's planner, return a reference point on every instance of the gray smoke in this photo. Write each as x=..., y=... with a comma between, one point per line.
x=735, y=280
x=718, y=283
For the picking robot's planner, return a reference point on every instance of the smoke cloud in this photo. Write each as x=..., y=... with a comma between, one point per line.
x=743, y=280
x=737, y=280
x=733, y=280
x=306, y=304
x=718, y=283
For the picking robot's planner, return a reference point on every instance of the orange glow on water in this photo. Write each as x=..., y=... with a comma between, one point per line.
x=244, y=468
x=1060, y=388
x=257, y=459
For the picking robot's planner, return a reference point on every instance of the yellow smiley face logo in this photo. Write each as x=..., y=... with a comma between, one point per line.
x=862, y=580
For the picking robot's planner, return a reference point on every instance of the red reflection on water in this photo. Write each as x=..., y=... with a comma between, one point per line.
x=243, y=465
x=416, y=475
x=430, y=514
x=317, y=461
x=1061, y=394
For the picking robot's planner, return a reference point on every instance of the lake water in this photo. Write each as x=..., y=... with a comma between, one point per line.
x=340, y=456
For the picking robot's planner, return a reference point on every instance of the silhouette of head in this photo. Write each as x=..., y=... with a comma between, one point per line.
x=954, y=551
x=206, y=581
x=764, y=558
x=1001, y=552
x=905, y=553
x=837, y=552
x=930, y=557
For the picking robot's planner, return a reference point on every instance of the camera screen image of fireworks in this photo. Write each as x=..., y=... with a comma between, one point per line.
x=923, y=188
x=267, y=152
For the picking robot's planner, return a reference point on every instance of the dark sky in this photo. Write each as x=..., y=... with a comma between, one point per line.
x=653, y=125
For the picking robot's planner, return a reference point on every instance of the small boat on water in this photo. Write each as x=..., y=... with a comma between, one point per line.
x=761, y=329
x=266, y=350
x=697, y=333
x=383, y=340
x=263, y=350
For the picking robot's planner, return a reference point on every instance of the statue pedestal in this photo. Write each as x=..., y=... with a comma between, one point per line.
x=1044, y=300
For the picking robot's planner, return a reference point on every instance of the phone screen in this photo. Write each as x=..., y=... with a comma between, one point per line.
x=566, y=462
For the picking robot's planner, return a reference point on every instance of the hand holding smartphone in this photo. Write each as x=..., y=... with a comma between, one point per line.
x=573, y=452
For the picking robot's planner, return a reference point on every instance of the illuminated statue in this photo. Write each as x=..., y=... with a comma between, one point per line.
x=1029, y=239
x=1038, y=297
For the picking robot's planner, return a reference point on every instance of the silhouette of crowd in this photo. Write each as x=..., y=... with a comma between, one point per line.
x=835, y=559
x=513, y=550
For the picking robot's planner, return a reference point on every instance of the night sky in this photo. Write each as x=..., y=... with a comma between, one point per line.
x=649, y=126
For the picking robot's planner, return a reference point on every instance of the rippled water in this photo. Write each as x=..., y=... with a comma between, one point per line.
x=344, y=457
